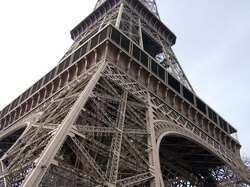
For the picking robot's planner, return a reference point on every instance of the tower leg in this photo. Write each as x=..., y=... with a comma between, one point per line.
x=47, y=157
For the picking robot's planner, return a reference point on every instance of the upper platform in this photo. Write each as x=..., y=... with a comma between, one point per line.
x=137, y=6
x=150, y=4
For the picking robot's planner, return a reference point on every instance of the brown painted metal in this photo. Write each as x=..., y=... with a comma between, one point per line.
x=106, y=117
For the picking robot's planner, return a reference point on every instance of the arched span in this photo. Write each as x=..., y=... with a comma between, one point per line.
x=185, y=159
x=163, y=127
x=10, y=130
x=9, y=140
x=10, y=136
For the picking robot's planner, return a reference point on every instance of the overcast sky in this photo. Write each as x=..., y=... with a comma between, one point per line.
x=213, y=48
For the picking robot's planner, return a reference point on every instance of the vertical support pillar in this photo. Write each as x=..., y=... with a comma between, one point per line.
x=86, y=63
x=60, y=82
x=140, y=33
x=203, y=125
x=196, y=118
x=153, y=154
x=189, y=112
x=119, y=17
x=32, y=101
x=128, y=67
x=38, y=97
x=148, y=80
x=21, y=110
x=173, y=100
x=68, y=76
x=76, y=71
x=26, y=107
x=182, y=106
x=106, y=49
x=139, y=73
x=15, y=114
x=157, y=87
x=95, y=61
x=118, y=56
x=45, y=94
x=166, y=94
x=117, y=140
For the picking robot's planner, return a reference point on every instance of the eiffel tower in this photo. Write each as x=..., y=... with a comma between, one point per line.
x=117, y=110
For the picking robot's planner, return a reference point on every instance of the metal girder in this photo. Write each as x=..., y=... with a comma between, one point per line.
x=110, y=140
x=124, y=125
x=150, y=4
x=87, y=157
x=106, y=129
x=178, y=121
x=117, y=139
x=166, y=57
x=135, y=180
x=26, y=153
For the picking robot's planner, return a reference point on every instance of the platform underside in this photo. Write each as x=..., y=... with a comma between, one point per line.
x=186, y=162
x=102, y=130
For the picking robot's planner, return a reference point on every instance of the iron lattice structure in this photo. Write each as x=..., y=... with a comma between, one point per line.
x=150, y=4
x=117, y=110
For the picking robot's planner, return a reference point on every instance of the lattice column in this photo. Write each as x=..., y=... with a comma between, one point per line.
x=47, y=158
x=154, y=152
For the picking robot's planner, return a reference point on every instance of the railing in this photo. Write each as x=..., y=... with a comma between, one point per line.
x=63, y=66
x=149, y=63
x=139, y=55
